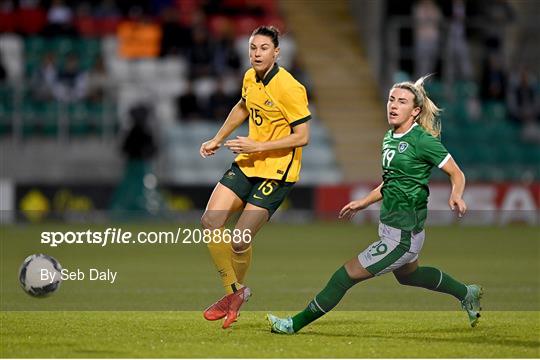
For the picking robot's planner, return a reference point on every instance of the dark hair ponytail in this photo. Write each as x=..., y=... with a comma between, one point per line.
x=271, y=31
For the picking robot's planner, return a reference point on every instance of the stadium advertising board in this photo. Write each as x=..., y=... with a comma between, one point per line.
x=488, y=203
x=35, y=202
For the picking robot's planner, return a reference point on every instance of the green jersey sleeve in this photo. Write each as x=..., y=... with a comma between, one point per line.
x=431, y=150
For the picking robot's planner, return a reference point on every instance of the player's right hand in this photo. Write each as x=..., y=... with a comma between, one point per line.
x=351, y=209
x=209, y=148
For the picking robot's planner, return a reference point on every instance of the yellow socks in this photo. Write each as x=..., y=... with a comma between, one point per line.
x=241, y=262
x=221, y=253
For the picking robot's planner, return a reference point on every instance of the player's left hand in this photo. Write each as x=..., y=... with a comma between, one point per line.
x=243, y=145
x=456, y=202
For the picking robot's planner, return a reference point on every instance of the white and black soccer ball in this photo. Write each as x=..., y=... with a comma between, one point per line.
x=40, y=275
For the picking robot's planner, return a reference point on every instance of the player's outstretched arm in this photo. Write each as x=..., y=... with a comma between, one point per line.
x=353, y=207
x=457, y=179
x=244, y=145
x=236, y=117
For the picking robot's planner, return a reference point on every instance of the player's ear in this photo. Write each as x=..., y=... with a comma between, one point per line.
x=276, y=53
x=416, y=111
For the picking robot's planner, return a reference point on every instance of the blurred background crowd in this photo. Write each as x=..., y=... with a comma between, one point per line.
x=74, y=51
x=80, y=80
x=487, y=47
x=485, y=58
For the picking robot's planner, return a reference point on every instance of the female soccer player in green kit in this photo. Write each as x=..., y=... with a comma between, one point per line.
x=410, y=149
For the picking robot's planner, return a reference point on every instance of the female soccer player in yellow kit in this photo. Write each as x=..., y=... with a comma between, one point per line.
x=265, y=170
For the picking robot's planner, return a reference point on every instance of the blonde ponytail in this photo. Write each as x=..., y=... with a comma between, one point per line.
x=429, y=113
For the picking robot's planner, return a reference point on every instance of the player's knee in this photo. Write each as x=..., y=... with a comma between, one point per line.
x=211, y=220
x=356, y=271
x=240, y=246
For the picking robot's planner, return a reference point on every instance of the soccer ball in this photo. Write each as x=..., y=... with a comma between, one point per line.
x=40, y=275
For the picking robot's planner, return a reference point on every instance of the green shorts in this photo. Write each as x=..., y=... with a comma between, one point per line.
x=265, y=193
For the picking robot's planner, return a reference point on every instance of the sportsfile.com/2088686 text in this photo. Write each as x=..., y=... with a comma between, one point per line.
x=119, y=236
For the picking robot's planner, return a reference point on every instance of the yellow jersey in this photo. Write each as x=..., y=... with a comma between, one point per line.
x=276, y=104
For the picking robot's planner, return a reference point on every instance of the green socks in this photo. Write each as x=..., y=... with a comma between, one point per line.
x=326, y=300
x=424, y=276
x=434, y=279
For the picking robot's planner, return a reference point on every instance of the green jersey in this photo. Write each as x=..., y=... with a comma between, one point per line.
x=407, y=160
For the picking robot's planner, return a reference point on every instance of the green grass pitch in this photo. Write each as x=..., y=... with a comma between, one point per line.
x=154, y=308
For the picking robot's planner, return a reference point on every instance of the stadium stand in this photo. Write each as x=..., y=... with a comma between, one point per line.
x=47, y=95
x=478, y=80
x=68, y=84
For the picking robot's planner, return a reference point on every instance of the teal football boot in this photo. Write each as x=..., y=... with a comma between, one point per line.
x=280, y=326
x=471, y=303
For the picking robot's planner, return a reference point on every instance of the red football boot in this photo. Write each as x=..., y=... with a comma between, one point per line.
x=237, y=299
x=219, y=309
